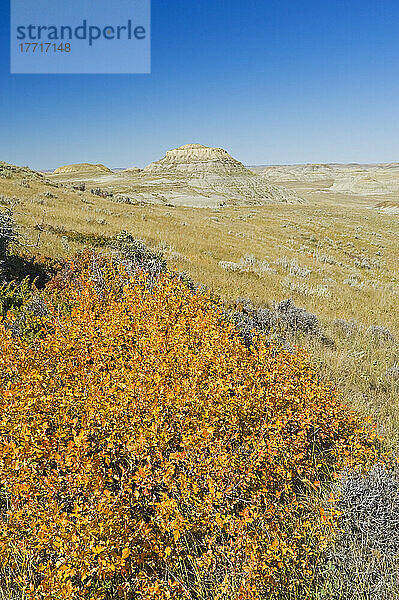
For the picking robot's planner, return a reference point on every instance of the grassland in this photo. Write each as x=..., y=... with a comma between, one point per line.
x=334, y=255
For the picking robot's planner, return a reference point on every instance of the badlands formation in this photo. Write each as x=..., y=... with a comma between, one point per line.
x=354, y=179
x=199, y=176
x=192, y=175
x=195, y=159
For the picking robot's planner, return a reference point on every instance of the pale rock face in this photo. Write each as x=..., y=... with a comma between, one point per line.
x=83, y=168
x=311, y=173
x=376, y=182
x=203, y=176
x=388, y=206
x=352, y=179
x=194, y=159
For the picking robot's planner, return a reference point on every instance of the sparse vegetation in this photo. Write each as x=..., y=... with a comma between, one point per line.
x=8, y=235
x=285, y=319
x=362, y=563
x=101, y=193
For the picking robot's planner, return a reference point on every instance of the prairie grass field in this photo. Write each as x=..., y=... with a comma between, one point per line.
x=322, y=276
x=335, y=255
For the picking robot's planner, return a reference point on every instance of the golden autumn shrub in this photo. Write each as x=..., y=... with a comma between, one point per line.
x=145, y=452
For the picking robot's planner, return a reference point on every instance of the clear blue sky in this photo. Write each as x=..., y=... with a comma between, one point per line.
x=271, y=81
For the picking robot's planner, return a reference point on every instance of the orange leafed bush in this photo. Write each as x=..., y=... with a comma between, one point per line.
x=145, y=452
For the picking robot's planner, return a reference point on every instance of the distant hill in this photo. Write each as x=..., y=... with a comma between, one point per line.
x=191, y=175
x=195, y=159
x=11, y=171
x=83, y=168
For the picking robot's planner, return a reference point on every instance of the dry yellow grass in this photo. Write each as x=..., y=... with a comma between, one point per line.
x=352, y=252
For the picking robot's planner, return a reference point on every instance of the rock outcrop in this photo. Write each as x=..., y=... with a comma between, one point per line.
x=352, y=179
x=372, y=182
x=310, y=172
x=196, y=175
x=389, y=207
x=195, y=159
x=192, y=175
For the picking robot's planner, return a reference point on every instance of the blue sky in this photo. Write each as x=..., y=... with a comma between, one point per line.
x=271, y=81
